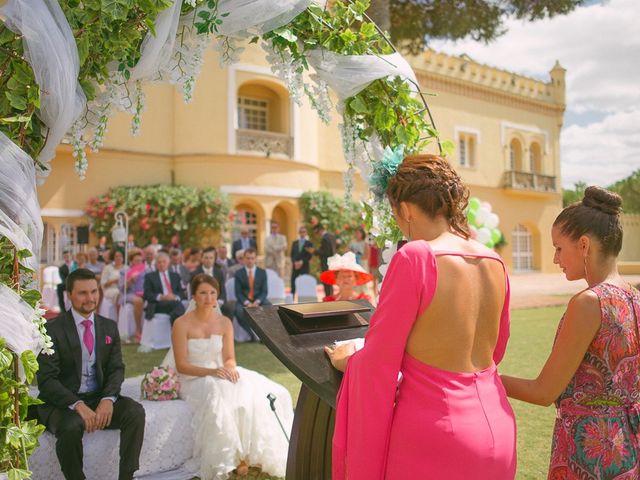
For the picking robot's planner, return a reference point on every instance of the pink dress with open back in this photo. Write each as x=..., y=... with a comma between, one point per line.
x=435, y=424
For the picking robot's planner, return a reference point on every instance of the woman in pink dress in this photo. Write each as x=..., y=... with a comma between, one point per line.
x=442, y=322
x=592, y=371
x=345, y=273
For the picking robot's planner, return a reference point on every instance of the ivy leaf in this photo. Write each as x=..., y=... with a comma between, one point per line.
x=402, y=135
x=5, y=359
x=358, y=105
x=448, y=147
x=116, y=9
x=287, y=35
x=18, y=474
x=31, y=297
x=17, y=101
x=30, y=364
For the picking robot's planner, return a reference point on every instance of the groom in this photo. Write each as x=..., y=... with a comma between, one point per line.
x=80, y=382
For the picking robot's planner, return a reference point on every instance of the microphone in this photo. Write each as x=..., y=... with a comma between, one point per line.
x=272, y=404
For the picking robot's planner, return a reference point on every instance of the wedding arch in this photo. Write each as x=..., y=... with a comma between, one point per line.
x=66, y=65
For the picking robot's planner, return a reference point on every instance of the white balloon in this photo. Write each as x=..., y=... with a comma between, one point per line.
x=492, y=221
x=383, y=269
x=484, y=235
x=481, y=216
x=388, y=253
x=486, y=206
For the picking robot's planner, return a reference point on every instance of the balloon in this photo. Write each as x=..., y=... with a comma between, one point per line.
x=481, y=216
x=489, y=244
x=492, y=220
x=387, y=254
x=474, y=203
x=486, y=206
x=496, y=235
x=471, y=217
x=484, y=235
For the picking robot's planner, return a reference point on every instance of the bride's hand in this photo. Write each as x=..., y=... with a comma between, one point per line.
x=233, y=374
x=340, y=355
x=226, y=374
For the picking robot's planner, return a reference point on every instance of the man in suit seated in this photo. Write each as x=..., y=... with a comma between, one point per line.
x=163, y=291
x=245, y=241
x=209, y=266
x=80, y=382
x=251, y=289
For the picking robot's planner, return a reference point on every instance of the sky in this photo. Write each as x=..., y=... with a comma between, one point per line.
x=599, y=45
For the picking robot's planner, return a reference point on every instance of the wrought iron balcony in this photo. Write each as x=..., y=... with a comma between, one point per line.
x=268, y=143
x=529, y=181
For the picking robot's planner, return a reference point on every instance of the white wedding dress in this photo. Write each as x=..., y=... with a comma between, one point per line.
x=233, y=421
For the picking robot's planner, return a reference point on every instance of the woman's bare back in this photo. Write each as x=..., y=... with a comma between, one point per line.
x=459, y=330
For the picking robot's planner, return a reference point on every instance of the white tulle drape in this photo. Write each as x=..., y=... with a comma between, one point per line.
x=348, y=75
x=50, y=49
x=259, y=16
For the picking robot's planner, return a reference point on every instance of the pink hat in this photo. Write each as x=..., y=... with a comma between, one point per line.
x=346, y=262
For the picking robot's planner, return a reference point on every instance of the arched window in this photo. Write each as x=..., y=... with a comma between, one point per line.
x=515, y=155
x=263, y=108
x=522, y=249
x=535, y=158
x=245, y=217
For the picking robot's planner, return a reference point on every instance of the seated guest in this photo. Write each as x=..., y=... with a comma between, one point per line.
x=162, y=290
x=178, y=267
x=81, y=260
x=149, y=259
x=111, y=277
x=155, y=243
x=251, y=289
x=210, y=267
x=133, y=283
x=301, y=253
x=94, y=264
x=65, y=269
x=345, y=273
x=192, y=258
x=231, y=271
x=102, y=248
x=80, y=382
x=223, y=259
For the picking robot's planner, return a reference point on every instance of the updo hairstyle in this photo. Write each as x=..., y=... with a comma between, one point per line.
x=429, y=182
x=598, y=215
x=204, y=278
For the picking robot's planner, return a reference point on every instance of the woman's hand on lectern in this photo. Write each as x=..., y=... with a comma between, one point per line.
x=340, y=355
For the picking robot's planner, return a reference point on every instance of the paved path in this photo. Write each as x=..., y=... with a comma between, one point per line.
x=546, y=289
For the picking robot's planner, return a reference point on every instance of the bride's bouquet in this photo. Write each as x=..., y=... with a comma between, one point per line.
x=161, y=383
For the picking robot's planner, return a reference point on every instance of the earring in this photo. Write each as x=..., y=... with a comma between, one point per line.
x=586, y=275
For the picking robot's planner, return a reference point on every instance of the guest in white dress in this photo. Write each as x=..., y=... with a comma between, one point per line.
x=234, y=425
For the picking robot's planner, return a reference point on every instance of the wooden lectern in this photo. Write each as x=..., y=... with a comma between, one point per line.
x=297, y=334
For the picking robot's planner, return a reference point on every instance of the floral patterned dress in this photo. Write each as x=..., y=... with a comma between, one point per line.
x=596, y=434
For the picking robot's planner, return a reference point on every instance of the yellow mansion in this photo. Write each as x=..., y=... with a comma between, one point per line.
x=243, y=134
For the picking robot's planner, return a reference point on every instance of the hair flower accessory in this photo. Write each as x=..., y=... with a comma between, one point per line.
x=386, y=168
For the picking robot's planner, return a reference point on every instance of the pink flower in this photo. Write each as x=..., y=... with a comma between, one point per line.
x=167, y=385
x=108, y=340
x=604, y=440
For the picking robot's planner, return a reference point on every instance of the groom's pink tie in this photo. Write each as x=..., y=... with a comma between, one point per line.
x=87, y=338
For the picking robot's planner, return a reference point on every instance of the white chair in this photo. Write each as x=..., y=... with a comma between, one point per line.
x=126, y=322
x=239, y=334
x=306, y=289
x=108, y=309
x=230, y=287
x=275, y=288
x=156, y=333
x=50, y=280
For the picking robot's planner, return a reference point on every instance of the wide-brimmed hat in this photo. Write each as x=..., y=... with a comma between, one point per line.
x=347, y=262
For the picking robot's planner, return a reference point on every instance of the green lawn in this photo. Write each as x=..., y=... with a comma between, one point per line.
x=532, y=332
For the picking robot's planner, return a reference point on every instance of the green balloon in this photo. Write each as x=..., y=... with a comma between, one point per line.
x=474, y=204
x=471, y=217
x=489, y=243
x=495, y=235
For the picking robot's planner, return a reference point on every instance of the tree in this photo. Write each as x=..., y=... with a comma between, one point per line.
x=629, y=189
x=412, y=23
x=575, y=195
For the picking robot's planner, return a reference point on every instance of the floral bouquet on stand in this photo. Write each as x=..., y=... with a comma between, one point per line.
x=161, y=383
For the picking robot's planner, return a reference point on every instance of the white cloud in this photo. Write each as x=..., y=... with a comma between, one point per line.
x=599, y=45
x=602, y=152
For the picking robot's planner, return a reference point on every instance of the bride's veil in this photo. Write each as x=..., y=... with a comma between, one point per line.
x=169, y=360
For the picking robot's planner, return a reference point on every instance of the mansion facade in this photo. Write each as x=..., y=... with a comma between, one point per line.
x=243, y=134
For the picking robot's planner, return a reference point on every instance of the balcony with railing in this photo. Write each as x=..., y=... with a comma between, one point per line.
x=267, y=143
x=529, y=181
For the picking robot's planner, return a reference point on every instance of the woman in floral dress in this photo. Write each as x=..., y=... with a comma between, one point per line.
x=592, y=372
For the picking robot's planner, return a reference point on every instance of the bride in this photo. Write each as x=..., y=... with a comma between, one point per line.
x=233, y=422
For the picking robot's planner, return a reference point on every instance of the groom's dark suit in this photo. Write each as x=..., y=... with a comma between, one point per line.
x=59, y=380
